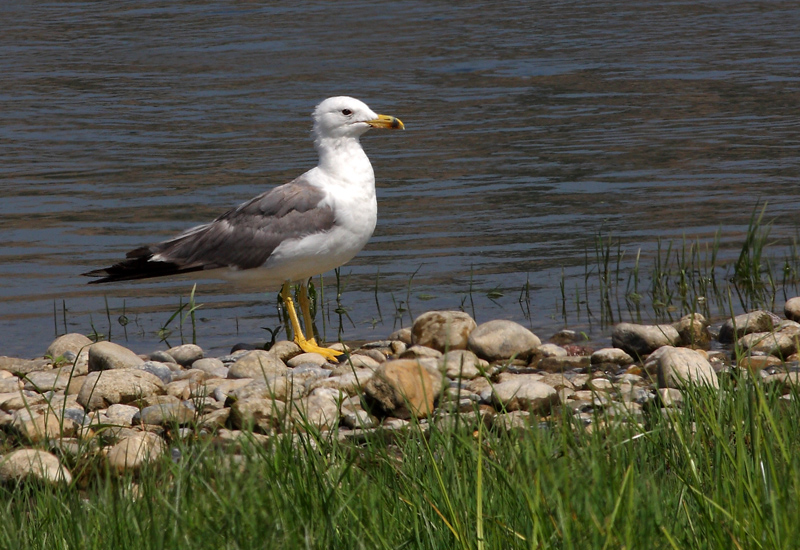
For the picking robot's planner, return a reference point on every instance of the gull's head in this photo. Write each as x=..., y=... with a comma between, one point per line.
x=343, y=116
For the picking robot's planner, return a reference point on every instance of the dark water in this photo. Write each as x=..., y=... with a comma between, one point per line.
x=531, y=127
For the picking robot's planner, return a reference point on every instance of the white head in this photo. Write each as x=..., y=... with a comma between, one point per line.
x=342, y=116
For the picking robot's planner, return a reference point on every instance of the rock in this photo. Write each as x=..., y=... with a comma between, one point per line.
x=110, y=356
x=420, y=352
x=359, y=419
x=214, y=368
x=44, y=427
x=783, y=343
x=121, y=415
x=281, y=388
x=557, y=381
x=693, y=330
x=320, y=410
x=49, y=380
x=566, y=336
x=792, y=309
x=161, y=370
x=106, y=387
x=165, y=415
x=307, y=359
x=214, y=419
x=402, y=388
x=359, y=361
x=73, y=342
x=20, y=400
x=600, y=384
x=32, y=464
x=442, y=330
x=639, y=340
x=257, y=364
x=500, y=340
x=670, y=397
x=349, y=383
x=463, y=364
x=552, y=350
x=611, y=355
x=186, y=354
x=675, y=367
x=785, y=380
x=285, y=350
x=526, y=395
x=21, y=367
x=746, y=323
x=561, y=364
x=514, y=421
x=402, y=335
x=256, y=413
x=131, y=453
x=11, y=384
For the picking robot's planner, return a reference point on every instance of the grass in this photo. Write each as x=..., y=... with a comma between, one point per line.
x=722, y=473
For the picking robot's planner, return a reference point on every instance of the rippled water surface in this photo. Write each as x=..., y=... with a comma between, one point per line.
x=531, y=128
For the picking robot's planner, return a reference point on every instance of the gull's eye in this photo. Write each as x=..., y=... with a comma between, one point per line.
x=347, y=112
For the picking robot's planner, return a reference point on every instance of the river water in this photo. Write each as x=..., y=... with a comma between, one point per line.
x=531, y=129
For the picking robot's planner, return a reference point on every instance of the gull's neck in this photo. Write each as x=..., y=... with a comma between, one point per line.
x=343, y=159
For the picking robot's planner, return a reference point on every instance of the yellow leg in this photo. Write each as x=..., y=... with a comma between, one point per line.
x=309, y=346
x=305, y=308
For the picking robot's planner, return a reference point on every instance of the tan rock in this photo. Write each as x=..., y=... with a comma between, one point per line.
x=522, y=394
x=257, y=364
x=131, y=453
x=110, y=356
x=72, y=342
x=442, y=330
x=676, y=367
x=32, y=464
x=401, y=388
x=501, y=339
x=104, y=388
x=255, y=413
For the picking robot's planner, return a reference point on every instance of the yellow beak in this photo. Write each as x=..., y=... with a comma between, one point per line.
x=386, y=121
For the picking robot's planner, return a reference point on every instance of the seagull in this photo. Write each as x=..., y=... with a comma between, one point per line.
x=313, y=224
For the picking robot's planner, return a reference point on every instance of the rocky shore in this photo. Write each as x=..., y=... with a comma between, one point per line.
x=84, y=401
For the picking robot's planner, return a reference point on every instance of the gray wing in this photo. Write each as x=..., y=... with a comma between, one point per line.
x=242, y=238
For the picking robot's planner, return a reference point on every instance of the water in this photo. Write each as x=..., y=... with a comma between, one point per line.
x=530, y=129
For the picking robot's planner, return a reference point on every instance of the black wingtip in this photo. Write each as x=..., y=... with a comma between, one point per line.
x=137, y=268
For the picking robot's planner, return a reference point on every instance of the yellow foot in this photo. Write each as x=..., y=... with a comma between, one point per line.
x=310, y=346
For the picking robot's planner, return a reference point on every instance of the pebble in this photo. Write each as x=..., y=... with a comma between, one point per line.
x=186, y=354
x=755, y=321
x=611, y=355
x=640, y=340
x=442, y=330
x=693, y=330
x=110, y=356
x=25, y=464
x=73, y=342
x=213, y=367
x=165, y=415
x=528, y=395
x=401, y=388
x=501, y=339
x=792, y=309
x=257, y=364
x=106, y=387
x=676, y=367
x=462, y=363
x=131, y=453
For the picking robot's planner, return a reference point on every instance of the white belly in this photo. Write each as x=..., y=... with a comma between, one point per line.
x=299, y=259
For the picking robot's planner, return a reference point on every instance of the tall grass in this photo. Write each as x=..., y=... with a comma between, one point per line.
x=722, y=473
